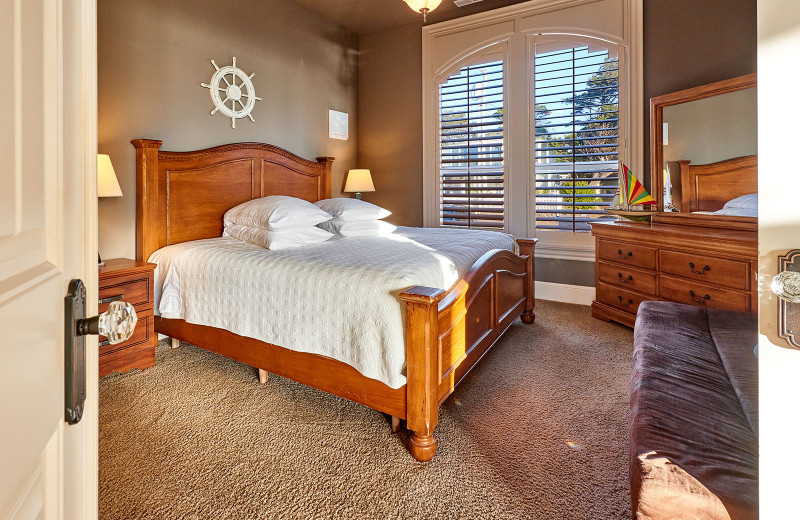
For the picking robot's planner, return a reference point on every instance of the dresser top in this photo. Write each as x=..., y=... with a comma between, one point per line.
x=735, y=241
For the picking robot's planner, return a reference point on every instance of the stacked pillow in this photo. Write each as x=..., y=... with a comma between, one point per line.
x=354, y=218
x=277, y=222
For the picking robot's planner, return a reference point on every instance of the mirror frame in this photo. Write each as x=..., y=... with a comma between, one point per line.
x=657, y=105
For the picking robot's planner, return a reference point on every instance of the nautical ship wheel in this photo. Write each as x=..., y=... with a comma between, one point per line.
x=232, y=92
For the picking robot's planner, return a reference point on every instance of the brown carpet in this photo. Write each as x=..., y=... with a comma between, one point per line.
x=537, y=431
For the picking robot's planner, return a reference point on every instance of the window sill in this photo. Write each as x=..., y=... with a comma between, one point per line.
x=582, y=253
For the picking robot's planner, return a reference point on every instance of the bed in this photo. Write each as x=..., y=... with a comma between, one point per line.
x=705, y=189
x=181, y=198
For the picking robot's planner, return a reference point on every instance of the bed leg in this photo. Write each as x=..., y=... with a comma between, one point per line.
x=175, y=342
x=422, y=368
x=395, y=424
x=263, y=376
x=526, y=248
x=421, y=446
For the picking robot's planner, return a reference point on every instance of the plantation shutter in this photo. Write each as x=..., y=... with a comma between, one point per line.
x=471, y=171
x=576, y=140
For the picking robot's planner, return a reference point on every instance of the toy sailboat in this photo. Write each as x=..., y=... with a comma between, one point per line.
x=630, y=193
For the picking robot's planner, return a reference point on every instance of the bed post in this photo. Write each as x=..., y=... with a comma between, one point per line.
x=422, y=363
x=327, y=188
x=526, y=248
x=148, y=218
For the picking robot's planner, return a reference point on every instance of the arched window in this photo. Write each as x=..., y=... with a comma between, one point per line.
x=528, y=111
x=576, y=143
x=471, y=145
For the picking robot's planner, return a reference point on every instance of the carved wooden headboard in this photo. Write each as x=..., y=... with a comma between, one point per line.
x=707, y=187
x=182, y=196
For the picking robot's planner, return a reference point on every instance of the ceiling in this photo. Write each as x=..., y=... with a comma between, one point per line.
x=366, y=16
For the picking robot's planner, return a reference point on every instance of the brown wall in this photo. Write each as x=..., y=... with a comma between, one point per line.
x=390, y=120
x=153, y=55
x=686, y=43
x=689, y=43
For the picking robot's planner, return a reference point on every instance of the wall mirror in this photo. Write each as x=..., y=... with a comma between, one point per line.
x=703, y=153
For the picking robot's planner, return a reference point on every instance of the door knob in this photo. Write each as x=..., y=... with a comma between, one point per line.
x=117, y=324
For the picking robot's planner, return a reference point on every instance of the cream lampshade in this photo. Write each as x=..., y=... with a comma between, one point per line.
x=358, y=181
x=107, y=184
x=423, y=6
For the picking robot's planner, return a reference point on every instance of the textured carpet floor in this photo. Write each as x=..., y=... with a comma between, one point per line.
x=537, y=431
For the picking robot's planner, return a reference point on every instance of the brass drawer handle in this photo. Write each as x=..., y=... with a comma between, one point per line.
x=109, y=299
x=624, y=256
x=629, y=279
x=704, y=299
x=702, y=271
x=625, y=304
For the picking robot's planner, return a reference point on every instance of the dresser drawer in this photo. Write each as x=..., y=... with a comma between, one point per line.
x=622, y=299
x=622, y=276
x=142, y=335
x=136, y=290
x=708, y=269
x=628, y=254
x=693, y=293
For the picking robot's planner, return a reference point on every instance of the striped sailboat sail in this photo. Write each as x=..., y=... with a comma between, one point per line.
x=636, y=194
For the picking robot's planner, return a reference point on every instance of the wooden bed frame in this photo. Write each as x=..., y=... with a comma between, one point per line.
x=707, y=187
x=182, y=196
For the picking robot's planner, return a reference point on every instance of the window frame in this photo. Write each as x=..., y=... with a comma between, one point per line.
x=451, y=43
x=569, y=244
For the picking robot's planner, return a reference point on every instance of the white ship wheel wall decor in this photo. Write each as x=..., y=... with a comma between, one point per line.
x=238, y=89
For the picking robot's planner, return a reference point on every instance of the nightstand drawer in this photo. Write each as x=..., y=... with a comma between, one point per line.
x=633, y=279
x=133, y=289
x=142, y=335
x=628, y=254
x=686, y=291
x=708, y=269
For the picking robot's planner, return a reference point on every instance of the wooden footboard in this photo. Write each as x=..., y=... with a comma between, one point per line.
x=448, y=333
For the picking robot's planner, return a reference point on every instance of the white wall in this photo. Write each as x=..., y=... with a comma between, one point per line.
x=779, y=230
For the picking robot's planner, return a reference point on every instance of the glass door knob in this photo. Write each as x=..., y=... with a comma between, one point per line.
x=787, y=286
x=117, y=323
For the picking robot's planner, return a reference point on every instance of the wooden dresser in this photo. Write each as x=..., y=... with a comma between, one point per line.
x=130, y=281
x=701, y=266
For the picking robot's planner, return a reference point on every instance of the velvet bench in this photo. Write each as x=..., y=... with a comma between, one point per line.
x=693, y=438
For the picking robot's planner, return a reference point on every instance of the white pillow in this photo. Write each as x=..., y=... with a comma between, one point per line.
x=352, y=209
x=358, y=228
x=276, y=240
x=749, y=201
x=276, y=212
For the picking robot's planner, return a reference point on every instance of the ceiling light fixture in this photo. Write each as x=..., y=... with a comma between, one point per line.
x=423, y=6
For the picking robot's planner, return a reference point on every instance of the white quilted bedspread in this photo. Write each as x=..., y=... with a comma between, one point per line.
x=337, y=298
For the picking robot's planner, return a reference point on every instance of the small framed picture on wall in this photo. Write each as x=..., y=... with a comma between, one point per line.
x=338, y=127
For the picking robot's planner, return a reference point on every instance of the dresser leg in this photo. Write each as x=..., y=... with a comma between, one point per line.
x=263, y=376
x=175, y=342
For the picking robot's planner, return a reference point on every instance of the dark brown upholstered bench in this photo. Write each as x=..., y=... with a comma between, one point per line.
x=693, y=438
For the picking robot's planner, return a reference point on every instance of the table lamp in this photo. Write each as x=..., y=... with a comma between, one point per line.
x=107, y=184
x=358, y=181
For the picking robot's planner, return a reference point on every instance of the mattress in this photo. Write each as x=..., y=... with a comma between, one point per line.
x=337, y=299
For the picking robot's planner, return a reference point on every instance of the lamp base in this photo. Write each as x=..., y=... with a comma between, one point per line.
x=358, y=195
x=100, y=263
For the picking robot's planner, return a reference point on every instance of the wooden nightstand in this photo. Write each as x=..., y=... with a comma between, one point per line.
x=131, y=281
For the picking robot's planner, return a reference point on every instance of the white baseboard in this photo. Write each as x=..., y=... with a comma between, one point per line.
x=559, y=292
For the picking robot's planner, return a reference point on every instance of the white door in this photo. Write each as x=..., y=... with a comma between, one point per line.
x=48, y=230
x=778, y=232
